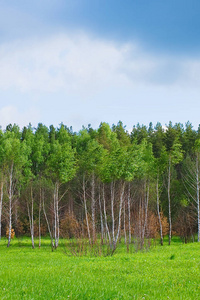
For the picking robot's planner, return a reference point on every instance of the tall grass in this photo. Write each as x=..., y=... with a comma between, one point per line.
x=168, y=272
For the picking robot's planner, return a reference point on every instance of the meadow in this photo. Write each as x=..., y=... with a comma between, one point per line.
x=168, y=272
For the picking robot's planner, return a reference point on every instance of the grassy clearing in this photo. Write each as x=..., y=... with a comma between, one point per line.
x=168, y=272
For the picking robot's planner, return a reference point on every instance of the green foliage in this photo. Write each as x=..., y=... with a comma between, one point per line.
x=189, y=138
x=197, y=146
x=90, y=152
x=111, y=154
x=176, y=152
x=122, y=134
x=61, y=163
x=184, y=202
x=139, y=133
x=13, y=152
x=146, y=159
x=40, y=149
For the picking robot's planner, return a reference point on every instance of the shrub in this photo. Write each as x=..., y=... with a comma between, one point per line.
x=70, y=227
x=12, y=233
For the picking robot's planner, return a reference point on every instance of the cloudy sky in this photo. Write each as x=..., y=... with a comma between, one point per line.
x=87, y=61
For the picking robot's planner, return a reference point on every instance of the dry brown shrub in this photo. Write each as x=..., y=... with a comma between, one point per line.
x=165, y=224
x=43, y=229
x=152, y=228
x=12, y=233
x=152, y=225
x=70, y=227
x=19, y=228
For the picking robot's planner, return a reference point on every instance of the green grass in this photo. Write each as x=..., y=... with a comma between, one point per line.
x=168, y=272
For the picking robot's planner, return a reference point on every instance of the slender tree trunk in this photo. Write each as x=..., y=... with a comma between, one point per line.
x=124, y=222
x=55, y=216
x=86, y=213
x=146, y=203
x=31, y=221
x=120, y=212
x=105, y=217
x=1, y=204
x=158, y=210
x=39, y=225
x=169, y=200
x=144, y=213
x=101, y=216
x=93, y=209
x=140, y=218
x=16, y=216
x=112, y=209
x=198, y=208
x=129, y=212
x=49, y=229
x=10, y=195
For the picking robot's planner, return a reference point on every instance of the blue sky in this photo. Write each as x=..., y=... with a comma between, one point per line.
x=81, y=62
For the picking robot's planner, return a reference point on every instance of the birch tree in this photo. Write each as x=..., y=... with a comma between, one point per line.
x=15, y=158
x=118, y=167
x=175, y=155
x=159, y=169
x=90, y=156
x=28, y=138
x=40, y=153
x=61, y=165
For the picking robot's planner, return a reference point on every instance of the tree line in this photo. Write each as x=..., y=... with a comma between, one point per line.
x=104, y=183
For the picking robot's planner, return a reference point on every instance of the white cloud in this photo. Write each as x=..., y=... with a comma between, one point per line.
x=79, y=79
x=73, y=64
x=10, y=114
x=84, y=65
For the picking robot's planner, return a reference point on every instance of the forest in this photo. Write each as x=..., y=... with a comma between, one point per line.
x=108, y=183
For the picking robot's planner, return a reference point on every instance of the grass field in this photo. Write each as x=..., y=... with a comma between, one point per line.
x=168, y=272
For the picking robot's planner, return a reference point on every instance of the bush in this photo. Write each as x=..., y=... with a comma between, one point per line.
x=12, y=233
x=70, y=227
x=185, y=225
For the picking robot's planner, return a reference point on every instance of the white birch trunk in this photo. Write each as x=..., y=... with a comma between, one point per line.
x=31, y=221
x=57, y=215
x=48, y=226
x=140, y=219
x=146, y=209
x=105, y=217
x=39, y=225
x=112, y=209
x=86, y=213
x=10, y=195
x=93, y=208
x=124, y=222
x=143, y=215
x=129, y=212
x=101, y=216
x=169, y=200
x=158, y=210
x=120, y=213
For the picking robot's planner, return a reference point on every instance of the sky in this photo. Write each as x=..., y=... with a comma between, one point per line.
x=83, y=62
